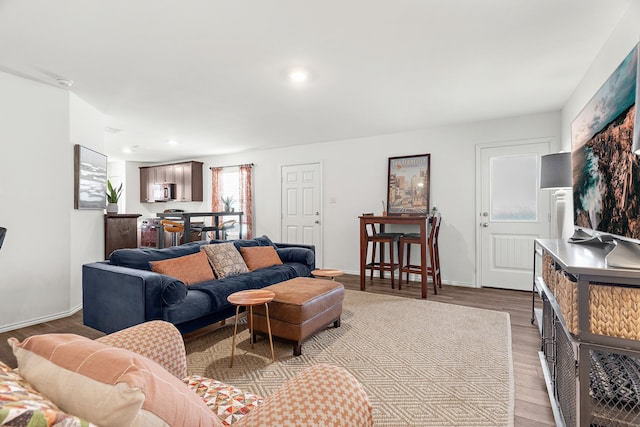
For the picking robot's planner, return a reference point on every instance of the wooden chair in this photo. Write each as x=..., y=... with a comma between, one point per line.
x=175, y=228
x=433, y=257
x=392, y=239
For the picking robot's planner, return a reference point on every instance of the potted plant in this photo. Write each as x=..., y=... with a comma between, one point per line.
x=113, y=195
x=227, y=202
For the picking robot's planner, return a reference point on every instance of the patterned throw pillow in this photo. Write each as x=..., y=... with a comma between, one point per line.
x=225, y=259
x=229, y=403
x=21, y=404
x=260, y=257
x=108, y=386
x=189, y=269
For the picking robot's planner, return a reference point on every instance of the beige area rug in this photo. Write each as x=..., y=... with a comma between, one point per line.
x=422, y=363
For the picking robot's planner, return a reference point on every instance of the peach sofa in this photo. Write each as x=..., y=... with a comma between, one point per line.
x=138, y=377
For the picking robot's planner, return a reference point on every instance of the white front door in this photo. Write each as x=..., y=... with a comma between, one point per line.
x=300, y=210
x=513, y=211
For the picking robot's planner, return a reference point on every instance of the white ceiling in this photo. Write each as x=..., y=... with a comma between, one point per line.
x=211, y=74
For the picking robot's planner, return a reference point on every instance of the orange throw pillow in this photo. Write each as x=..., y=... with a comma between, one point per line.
x=189, y=269
x=260, y=257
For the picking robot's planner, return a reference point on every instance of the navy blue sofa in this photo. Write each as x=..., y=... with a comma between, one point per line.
x=123, y=291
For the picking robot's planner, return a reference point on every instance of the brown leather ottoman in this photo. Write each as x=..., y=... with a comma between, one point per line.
x=301, y=307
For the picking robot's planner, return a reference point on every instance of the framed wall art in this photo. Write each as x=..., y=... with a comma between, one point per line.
x=408, y=185
x=90, y=179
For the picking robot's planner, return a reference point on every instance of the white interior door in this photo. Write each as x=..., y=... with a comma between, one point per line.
x=513, y=212
x=301, y=210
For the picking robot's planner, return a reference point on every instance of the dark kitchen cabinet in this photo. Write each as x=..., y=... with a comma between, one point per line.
x=187, y=176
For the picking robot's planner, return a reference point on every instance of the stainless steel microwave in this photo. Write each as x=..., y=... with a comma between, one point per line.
x=164, y=192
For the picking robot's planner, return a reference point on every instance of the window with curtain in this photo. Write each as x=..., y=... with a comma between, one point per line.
x=235, y=182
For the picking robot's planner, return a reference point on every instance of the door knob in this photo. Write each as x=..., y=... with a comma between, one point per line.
x=485, y=224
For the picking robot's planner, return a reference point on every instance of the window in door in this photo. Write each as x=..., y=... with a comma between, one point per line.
x=514, y=188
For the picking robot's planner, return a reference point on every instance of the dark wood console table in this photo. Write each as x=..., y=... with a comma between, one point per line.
x=420, y=220
x=186, y=218
x=120, y=232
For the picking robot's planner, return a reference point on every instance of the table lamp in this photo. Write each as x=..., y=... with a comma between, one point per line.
x=555, y=174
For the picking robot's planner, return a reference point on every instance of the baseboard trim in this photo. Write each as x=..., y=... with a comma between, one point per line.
x=38, y=320
x=416, y=278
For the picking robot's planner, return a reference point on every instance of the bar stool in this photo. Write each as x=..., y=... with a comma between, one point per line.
x=392, y=239
x=175, y=228
x=433, y=261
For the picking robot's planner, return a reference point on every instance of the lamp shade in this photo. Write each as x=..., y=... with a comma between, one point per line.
x=555, y=171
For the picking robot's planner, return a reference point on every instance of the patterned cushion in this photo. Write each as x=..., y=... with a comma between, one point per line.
x=106, y=385
x=229, y=403
x=22, y=405
x=303, y=400
x=189, y=269
x=225, y=259
x=260, y=257
x=157, y=340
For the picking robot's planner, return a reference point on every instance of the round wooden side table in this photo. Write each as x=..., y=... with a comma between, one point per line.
x=251, y=298
x=327, y=272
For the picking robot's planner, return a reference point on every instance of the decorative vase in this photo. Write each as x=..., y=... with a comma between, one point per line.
x=112, y=209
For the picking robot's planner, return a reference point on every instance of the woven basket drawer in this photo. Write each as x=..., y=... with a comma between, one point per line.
x=549, y=272
x=614, y=311
x=567, y=296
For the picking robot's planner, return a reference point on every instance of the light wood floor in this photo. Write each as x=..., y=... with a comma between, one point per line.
x=532, y=406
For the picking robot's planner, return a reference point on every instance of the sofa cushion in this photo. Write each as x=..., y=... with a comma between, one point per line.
x=173, y=290
x=229, y=403
x=106, y=385
x=260, y=257
x=256, y=241
x=225, y=259
x=141, y=257
x=210, y=297
x=22, y=405
x=189, y=269
x=301, y=255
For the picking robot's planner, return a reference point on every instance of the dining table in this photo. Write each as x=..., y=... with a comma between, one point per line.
x=421, y=221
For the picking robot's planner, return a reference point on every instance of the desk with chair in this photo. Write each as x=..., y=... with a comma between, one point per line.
x=185, y=218
x=422, y=221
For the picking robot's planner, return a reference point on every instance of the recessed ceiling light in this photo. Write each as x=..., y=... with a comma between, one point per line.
x=173, y=142
x=299, y=75
x=132, y=149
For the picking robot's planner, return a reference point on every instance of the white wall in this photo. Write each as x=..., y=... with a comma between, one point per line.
x=46, y=241
x=355, y=175
x=36, y=194
x=87, y=126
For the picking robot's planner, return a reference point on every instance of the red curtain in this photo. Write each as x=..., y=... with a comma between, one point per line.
x=245, y=202
x=216, y=188
x=246, y=198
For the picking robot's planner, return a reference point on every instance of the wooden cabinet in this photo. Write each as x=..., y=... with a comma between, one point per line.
x=188, y=178
x=120, y=231
x=186, y=175
x=147, y=177
x=590, y=324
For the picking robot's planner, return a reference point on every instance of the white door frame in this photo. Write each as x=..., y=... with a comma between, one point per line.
x=478, y=206
x=319, y=251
